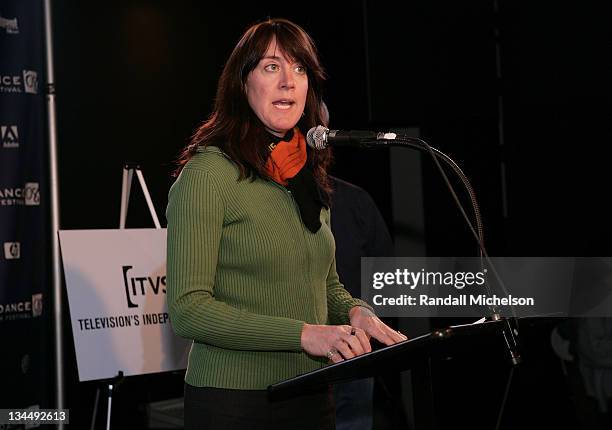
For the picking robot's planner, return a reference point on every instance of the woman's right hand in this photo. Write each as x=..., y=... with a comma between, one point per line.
x=335, y=342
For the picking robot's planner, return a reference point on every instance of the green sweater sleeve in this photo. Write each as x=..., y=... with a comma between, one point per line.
x=339, y=301
x=195, y=216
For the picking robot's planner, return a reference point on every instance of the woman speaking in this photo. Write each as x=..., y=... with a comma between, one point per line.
x=251, y=267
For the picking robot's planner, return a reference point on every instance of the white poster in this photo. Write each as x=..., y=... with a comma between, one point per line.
x=116, y=282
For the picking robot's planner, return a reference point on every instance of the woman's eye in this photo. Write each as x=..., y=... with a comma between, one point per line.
x=300, y=69
x=271, y=67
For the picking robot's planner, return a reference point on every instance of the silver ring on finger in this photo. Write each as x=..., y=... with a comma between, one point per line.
x=331, y=353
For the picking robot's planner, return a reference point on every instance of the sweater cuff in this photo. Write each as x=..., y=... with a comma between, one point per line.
x=343, y=317
x=294, y=335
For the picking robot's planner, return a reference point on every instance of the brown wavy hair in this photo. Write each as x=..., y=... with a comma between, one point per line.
x=234, y=127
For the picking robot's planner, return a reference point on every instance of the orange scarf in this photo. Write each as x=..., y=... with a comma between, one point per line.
x=287, y=158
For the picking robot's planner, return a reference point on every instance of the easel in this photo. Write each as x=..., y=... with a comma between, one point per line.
x=128, y=174
x=112, y=384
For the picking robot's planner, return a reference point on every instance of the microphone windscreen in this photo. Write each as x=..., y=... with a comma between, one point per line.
x=317, y=137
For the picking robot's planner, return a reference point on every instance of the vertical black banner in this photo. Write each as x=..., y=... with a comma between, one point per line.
x=25, y=285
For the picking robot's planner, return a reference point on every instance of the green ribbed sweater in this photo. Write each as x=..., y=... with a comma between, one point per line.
x=244, y=275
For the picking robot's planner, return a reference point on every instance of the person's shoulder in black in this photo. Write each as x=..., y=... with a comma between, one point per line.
x=359, y=229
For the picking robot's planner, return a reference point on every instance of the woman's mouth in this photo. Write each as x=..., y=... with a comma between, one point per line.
x=283, y=104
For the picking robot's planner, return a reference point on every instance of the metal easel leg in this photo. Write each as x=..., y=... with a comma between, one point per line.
x=110, y=404
x=125, y=194
x=95, y=410
x=145, y=190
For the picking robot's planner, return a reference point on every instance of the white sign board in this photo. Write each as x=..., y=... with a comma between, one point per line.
x=116, y=282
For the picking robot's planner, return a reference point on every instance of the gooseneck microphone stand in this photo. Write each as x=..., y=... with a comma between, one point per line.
x=319, y=138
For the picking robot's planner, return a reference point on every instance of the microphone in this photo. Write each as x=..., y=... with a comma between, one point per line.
x=320, y=137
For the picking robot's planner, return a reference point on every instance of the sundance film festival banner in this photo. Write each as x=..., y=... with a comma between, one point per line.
x=25, y=323
x=116, y=281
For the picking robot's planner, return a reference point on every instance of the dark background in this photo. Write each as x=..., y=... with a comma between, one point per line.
x=134, y=79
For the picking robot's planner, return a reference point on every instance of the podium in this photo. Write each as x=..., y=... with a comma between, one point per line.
x=421, y=355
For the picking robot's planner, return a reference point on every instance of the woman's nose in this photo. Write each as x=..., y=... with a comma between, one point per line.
x=286, y=78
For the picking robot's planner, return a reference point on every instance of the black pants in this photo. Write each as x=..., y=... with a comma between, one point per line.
x=216, y=408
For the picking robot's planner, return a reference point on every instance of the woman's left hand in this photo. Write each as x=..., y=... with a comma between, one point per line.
x=363, y=318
